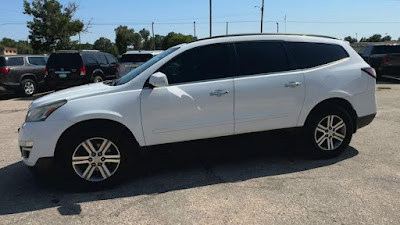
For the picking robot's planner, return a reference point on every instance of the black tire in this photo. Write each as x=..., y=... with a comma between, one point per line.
x=97, y=79
x=68, y=146
x=28, y=87
x=329, y=145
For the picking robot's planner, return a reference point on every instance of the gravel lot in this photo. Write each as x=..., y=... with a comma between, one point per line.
x=247, y=180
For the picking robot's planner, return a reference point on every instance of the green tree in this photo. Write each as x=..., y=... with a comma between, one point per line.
x=124, y=38
x=363, y=39
x=7, y=42
x=386, y=38
x=105, y=45
x=52, y=25
x=173, y=39
x=350, y=39
x=375, y=38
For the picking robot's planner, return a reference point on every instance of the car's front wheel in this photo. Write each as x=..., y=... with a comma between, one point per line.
x=95, y=159
x=329, y=132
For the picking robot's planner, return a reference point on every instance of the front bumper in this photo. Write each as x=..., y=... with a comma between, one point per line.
x=39, y=139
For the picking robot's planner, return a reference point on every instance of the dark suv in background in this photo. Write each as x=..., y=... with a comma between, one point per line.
x=70, y=68
x=384, y=58
x=22, y=73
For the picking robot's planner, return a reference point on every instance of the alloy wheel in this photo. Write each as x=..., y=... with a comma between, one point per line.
x=96, y=159
x=330, y=133
x=29, y=88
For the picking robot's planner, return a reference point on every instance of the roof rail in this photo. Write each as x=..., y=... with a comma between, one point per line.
x=77, y=51
x=268, y=34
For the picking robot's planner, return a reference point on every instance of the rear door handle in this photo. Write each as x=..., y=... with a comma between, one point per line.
x=219, y=93
x=293, y=84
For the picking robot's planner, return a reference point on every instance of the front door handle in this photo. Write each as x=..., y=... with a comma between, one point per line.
x=293, y=84
x=219, y=93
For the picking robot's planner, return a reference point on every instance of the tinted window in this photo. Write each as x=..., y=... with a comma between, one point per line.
x=64, y=60
x=101, y=58
x=203, y=63
x=37, y=61
x=308, y=55
x=261, y=57
x=90, y=59
x=15, y=61
x=111, y=59
x=2, y=61
x=135, y=58
x=386, y=49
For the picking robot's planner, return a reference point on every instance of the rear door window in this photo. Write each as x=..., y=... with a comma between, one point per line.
x=65, y=60
x=15, y=61
x=261, y=58
x=202, y=63
x=386, y=49
x=101, y=58
x=111, y=59
x=309, y=55
x=37, y=61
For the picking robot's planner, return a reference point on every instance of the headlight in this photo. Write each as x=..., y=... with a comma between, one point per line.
x=42, y=112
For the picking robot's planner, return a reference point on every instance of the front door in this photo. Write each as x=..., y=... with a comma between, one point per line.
x=197, y=104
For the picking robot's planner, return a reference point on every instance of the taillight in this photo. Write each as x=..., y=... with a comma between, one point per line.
x=370, y=71
x=386, y=60
x=4, y=70
x=83, y=71
x=46, y=71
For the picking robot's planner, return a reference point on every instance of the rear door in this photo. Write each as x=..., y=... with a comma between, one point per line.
x=198, y=103
x=64, y=66
x=112, y=62
x=268, y=95
x=104, y=65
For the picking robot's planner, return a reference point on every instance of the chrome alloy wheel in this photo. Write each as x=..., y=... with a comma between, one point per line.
x=330, y=133
x=29, y=88
x=96, y=159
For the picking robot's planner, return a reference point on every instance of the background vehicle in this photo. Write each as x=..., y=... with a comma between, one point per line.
x=22, y=73
x=71, y=68
x=205, y=89
x=133, y=59
x=384, y=58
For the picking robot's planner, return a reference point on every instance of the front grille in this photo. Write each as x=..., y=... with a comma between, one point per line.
x=25, y=152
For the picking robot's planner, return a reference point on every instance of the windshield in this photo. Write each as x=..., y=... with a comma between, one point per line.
x=134, y=73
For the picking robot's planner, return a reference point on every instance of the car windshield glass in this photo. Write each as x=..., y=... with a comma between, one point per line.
x=134, y=73
x=386, y=49
x=135, y=58
x=64, y=60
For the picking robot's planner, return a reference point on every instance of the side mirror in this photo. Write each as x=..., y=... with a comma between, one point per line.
x=158, y=80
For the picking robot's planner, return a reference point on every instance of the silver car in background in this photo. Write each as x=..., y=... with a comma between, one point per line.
x=133, y=59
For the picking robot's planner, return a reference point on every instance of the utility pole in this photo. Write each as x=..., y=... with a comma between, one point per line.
x=262, y=15
x=227, y=28
x=194, y=28
x=357, y=37
x=154, y=40
x=80, y=44
x=277, y=28
x=210, y=18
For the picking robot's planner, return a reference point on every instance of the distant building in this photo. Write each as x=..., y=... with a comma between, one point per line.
x=10, y=51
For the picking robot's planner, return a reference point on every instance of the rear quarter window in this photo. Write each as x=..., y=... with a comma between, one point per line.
x=37, y=61
x=309, y=55
x=15, y=61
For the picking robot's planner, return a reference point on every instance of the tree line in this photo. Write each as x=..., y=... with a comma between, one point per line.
x=373, y=38
x=53, y=25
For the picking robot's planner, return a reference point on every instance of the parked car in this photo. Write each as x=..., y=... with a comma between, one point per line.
x=384, y=58
x=22, y=73
x=133, y=59
x=210, y=88
x=71, y=68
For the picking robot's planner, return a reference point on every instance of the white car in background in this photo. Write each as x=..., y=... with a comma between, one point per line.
x=210, y=88
x=133, y=59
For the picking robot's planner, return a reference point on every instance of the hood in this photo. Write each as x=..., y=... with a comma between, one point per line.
x=82, y=91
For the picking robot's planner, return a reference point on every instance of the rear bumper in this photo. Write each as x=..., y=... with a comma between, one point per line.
x=365, y=120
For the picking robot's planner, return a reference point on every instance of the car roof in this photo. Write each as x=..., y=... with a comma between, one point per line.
x=24, y=55
x=269, y=34
x=143, y=52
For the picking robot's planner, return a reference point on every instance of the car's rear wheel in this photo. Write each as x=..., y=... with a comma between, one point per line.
x=329, y=132
x=94, y=158
x=97, y=79
x=28, y=87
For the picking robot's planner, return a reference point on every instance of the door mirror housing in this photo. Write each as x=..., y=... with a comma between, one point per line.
x=158, y=79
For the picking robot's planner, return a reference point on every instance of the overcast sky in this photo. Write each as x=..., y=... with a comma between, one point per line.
x=338, y=18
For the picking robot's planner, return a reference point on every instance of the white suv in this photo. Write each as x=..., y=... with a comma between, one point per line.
x=209, y=88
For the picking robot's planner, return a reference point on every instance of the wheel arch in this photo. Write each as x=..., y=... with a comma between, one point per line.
x=28, y=76
x=335, y=102
x=95, y=123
